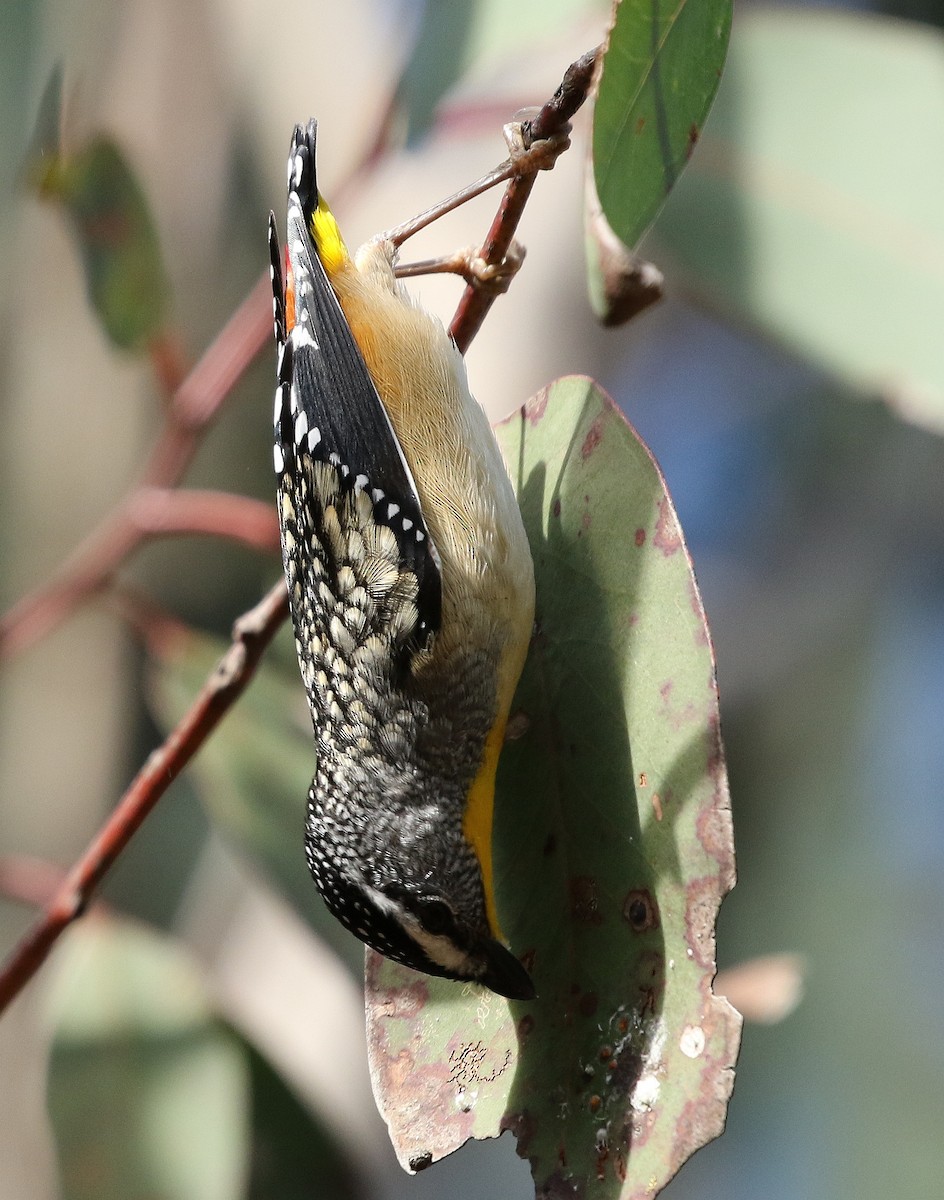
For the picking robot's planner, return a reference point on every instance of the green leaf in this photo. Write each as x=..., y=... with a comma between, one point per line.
x=813, y=207
x=113, y=227
x=290, y=1150
x=613, y=850
x=44, y=148
x=148, y=1093
x=661, y=69
x=253, y=774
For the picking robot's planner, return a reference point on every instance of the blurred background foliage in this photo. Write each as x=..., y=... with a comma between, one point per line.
x=791, y=387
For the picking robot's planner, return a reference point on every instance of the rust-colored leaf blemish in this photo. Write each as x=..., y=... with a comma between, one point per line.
x=694, y=133
x=556, y=507
x=640, y=537
x=402, y=1003
x=593, y=438
x=595, y=1103
x=620, y=1166
x=584, y=900
x=640, y=910
x=713, y=827
x=535, y=406
x=524, y=1027
x=640, y=124
x=701, y=909
x=606, y=1052
x=702, y=1118
x=677, y=718
x=667, y=536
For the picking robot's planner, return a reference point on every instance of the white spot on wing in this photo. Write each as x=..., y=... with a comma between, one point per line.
x=301, y=336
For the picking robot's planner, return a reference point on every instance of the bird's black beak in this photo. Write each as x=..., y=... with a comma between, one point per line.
x=504, y=974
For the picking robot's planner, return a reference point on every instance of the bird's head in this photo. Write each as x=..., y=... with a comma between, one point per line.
x=418, y=901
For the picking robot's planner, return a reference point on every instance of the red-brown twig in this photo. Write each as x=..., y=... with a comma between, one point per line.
x=550, y=122
x=251, y=634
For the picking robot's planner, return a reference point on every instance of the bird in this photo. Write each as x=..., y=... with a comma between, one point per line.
x=411, y=588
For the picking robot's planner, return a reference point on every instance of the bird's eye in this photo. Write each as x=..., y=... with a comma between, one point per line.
x=435, y=915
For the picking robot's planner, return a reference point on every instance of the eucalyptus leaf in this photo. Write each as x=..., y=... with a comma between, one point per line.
x=661, y=69
x=148, y=1092
x=613, y=850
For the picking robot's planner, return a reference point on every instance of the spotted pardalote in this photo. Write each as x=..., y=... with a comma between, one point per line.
x=412, y=596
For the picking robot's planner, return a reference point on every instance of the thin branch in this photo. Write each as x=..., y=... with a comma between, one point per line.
x=550, y=123
x=251, y=635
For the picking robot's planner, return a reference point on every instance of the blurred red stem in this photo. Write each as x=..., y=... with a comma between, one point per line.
x=164, y=512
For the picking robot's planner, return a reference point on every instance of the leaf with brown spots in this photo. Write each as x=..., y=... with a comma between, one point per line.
x=613, y=850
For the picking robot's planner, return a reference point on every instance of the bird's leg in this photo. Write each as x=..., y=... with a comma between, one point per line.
x=471, y=266
x=526, y=157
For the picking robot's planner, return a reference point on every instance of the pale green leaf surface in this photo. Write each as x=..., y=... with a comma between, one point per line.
x=812, y=208
x=148, y=1093
x=613, y=850
x=661, y=69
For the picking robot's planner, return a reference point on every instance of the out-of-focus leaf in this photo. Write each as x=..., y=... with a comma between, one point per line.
x=661, y=69
x=253, y=774
x=454, y=37
x=766, y=989
x=813, y=207
x=45, y=142
x=613, y=850
x=293, y=1156
x=112, y=222
x=148, y=1093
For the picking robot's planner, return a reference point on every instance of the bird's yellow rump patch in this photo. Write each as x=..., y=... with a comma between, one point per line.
x=327, y=238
